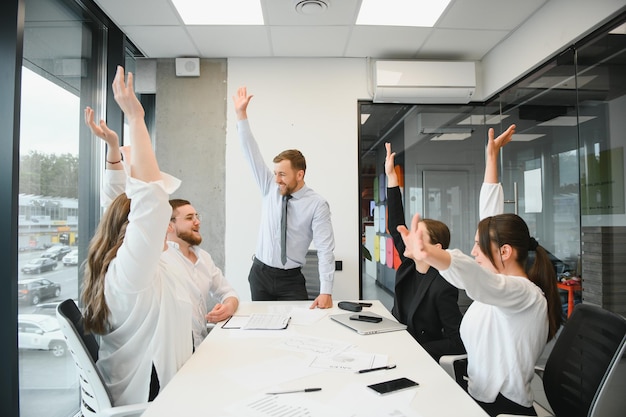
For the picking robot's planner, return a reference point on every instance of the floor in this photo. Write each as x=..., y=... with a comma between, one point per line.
x=373, y=291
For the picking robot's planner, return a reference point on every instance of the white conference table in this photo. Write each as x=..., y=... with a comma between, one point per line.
x=232, y=371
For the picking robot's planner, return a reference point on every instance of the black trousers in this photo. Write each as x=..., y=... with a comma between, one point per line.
x=503, y=405
x=274, y=284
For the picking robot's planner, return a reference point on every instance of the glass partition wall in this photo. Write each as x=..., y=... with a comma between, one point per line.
x=563, y=172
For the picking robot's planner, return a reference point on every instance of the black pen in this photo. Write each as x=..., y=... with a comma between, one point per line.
x=297, y=390
x=380, y=368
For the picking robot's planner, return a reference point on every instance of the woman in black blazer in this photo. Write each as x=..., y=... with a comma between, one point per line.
x=423, y=300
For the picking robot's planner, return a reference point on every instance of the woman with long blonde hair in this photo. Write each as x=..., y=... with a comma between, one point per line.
x=138, y=306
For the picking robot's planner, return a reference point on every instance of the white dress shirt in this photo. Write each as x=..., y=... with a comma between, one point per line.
x=506, y=327
x=308, y=219
x=205, y=283
x=150, y=311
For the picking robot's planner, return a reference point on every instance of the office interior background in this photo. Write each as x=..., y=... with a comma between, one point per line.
x=555, y=68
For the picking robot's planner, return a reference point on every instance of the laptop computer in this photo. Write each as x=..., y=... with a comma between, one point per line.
x=363, y=327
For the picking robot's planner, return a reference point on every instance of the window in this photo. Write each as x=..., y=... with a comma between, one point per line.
x=57, y=73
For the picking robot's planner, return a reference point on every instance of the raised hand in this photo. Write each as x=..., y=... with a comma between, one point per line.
x=143, y=163
x=493, y=150
x=392, y=177
x=124, y=94
x=241, y=100
x=415, y=247
x=102, y=130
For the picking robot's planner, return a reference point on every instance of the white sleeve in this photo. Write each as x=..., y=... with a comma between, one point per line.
x=219, y=288
x=262, y=174
x=113, y=184
x=505, y=291
x=491, y=201
x=137, y=259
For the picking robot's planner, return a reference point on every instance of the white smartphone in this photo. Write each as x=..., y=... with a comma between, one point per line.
x=393, y=385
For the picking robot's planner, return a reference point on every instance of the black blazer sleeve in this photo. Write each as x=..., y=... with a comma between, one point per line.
x=395, y=213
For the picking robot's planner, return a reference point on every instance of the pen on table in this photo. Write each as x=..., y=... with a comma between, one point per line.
x=380, y=368
x=296, y=390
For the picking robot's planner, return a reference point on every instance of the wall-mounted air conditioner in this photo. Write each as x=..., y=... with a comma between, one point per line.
x=424, y=82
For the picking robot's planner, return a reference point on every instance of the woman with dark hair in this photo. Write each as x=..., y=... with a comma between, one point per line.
x=515, y=311
x=423, y=300
x=140, y=308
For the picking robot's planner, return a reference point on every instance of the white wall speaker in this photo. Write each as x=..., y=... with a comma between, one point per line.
x=187, y=67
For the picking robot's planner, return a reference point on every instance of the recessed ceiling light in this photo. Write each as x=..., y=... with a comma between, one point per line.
x=220, y=12
x=422, y=13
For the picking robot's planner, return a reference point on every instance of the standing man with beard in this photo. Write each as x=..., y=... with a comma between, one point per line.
x=205, y=280
x=292, y=217
x=195, y=267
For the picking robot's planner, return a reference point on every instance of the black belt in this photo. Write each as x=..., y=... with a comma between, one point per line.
x=262, y=265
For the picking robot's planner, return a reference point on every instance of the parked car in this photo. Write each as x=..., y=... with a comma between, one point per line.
x=48, y=309
x=40, y=332
x=34, y=290
x=71, y=258
x=56, y=252
x=39, y=265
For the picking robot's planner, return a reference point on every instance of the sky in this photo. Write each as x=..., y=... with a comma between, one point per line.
x=50, y=117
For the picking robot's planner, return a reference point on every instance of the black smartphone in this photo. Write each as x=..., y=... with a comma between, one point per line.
x=363, y=317
x=393, y=385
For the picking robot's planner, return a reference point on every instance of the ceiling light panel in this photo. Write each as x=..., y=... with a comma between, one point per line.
x=422, y=13
x=220, y=12
x=566, y=121
x=451, y=136
x=477, y=119
x=526, y=137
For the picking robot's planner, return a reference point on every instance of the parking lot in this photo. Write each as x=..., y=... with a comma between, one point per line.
x=48, y=385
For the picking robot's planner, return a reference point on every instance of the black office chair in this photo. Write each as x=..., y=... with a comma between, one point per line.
x=581, y=364
x=95, y=398
x=583, y=360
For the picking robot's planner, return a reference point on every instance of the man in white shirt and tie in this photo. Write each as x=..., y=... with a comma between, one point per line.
x=276, y=269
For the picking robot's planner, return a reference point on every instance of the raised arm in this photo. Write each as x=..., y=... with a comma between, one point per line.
x=263, y=176
x=491, y=199
x=114, y=155
x=143, y=163
x=493, y=151
x=390, y=171
x=395, y=209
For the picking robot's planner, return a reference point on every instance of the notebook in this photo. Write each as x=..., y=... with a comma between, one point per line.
x=363, y=327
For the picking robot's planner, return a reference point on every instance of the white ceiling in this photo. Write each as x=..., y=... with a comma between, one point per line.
x=467, y=30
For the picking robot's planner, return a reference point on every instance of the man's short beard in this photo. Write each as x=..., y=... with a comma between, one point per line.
x=190, y=238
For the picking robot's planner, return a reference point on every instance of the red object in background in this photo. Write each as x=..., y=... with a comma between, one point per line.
x=570, y=286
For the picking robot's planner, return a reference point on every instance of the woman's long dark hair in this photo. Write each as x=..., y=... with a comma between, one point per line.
x=103, y=248
x=511, y=229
